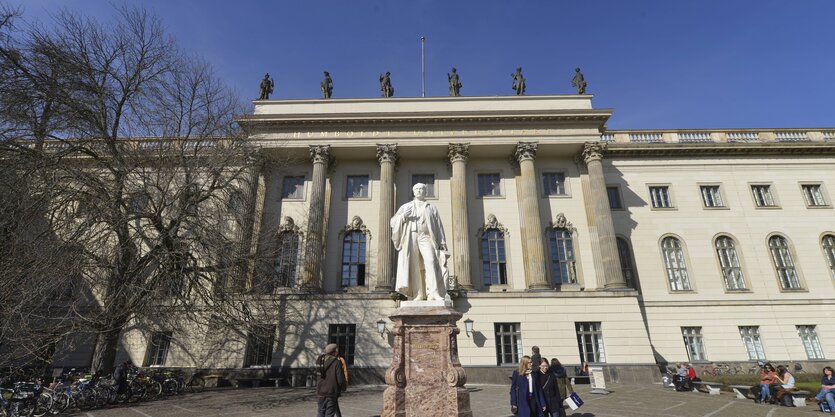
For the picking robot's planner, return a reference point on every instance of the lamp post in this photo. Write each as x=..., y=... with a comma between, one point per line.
x=468, y=326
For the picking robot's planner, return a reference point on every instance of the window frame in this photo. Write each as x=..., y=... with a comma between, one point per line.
x=684, y=258
x=700, y=338
x=771, y=191
x=814, y=344
x=595, y=340
x=630, y=258
x=304, y=188
x=565, y=183
x=515, y=335
x=753, y=334
x=365, y=239
x=828, y=257
x=345, y=188
x=278, y=282
x=720, y=191
x=152, y=351
x=793, y=257
x=336, y=334
x=739, y=259
x=571, y=262
x=481, y=238
x=826, y=201
x=267, y=344
x=619, y=195
x=670, y=197
x=412, y=183
x=502, y=191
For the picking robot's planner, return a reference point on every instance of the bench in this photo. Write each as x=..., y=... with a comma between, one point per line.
x=279, y=380
x=741, y=391
x=711, y=388
x=580, y=379
x=799, y=397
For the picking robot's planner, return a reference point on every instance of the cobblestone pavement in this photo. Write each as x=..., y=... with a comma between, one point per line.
x=486, y=401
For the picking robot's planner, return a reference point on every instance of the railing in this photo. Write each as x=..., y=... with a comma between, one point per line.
x=743, y=136
x=607, y=137
x=739, y=136
x=791, y=136
x=829, y=135
x=646, y=137
x=694, y=137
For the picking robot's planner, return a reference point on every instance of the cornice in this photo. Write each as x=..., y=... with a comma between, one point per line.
x=718, y=149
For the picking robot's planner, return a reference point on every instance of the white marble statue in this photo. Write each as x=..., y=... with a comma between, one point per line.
x=418, y=236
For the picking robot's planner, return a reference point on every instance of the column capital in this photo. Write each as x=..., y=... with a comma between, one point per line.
x=459, y=152
x=525, y=151
x=320, y=154
x=593, y=151
x=387, y=152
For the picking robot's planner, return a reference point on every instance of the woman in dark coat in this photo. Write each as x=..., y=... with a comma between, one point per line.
x=526, y=391
x=550, y=390
x=563, y=384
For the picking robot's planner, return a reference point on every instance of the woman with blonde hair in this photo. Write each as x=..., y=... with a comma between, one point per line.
x=526, y=398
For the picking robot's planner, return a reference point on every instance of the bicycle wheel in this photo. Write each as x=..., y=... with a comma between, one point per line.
x=154, y=390
x=43, y=405
x=60, y=402
x=169, y=387
x=196, y=384
x=136, y=391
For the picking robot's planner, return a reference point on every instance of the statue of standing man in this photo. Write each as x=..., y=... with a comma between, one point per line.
x=454, y=84
x=418, y=237
x=327, y=86
x=385, y=85
x=579, y=81
x=518, y=82
x=267, y=86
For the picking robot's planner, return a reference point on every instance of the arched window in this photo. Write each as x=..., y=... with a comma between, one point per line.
x=783, y=262
x=828, y=244
x=729, y=262
x=562, y=256
x=626, y=262
x=493, y=260
x=287, y=259
x=674, y=264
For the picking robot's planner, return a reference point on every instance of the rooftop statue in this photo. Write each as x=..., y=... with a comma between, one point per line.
x=267, y=86
x=579, y=81
x=418, y=237
x=327, y=86
x=454, y=84
x=385, y=85
x=518, y=82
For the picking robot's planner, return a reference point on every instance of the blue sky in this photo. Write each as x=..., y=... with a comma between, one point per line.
x=657, y=63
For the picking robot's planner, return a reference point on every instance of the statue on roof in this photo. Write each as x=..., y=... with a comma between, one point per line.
x=518, y=82
x=579, y=81
x=454, y=83
x=267, y=86
x=385, y=85
x=327, y=86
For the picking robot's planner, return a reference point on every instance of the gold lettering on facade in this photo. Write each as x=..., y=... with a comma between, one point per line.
x=430, y=346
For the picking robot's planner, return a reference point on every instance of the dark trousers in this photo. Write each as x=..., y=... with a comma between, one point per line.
x=328, y=407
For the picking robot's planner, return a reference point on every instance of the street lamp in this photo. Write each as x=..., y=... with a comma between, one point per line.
x=468, y=326
x=381, y=327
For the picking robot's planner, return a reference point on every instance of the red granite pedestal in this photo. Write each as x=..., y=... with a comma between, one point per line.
x=425, y=377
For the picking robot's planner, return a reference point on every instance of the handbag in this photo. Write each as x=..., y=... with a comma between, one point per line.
x=574, y=401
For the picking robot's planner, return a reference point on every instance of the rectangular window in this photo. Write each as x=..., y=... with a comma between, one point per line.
x=493, y=261
x=508, y=343
x=553, y=183
x=428, y=179
x=660, y=196
x=489, y=185
x=809, y=337
x=711, y=197
x=614, y=198
x=813, y=194
x=293, y=188
x=356, y=186
x=158, y=349
x=751, y=340
x=762, y=196
x=590, y=342
x=259, y=346
x=345, y=337
x=694, y=343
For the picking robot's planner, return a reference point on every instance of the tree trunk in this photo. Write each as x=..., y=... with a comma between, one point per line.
x=107, y=345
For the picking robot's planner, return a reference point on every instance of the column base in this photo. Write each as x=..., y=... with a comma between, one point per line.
x=616, y=286
x=425, y=377
x=540, y=287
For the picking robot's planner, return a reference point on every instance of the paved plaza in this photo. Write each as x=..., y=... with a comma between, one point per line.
x=486, y=400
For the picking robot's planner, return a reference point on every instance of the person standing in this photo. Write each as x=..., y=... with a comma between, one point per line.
x=550, y=390
x=563, y=384
x=331, y=381
x=535, y=357
x=827, y=391
x=525, y=391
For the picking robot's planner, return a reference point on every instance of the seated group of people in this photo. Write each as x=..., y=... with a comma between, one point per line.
x=774, y=384
x=685, y=377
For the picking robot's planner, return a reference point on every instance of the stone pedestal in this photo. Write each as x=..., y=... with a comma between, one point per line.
x=425, y=377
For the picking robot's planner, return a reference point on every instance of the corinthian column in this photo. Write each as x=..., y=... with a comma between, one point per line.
x=533, y=243
x=458, y=155
x=593, y=156
x=314, y=249
x=387, y=156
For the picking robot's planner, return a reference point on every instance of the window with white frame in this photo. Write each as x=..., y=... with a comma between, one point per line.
x=356, y=186
x=158, y=349
x=626, y=266
x=489, y=185
x=729, y=263
x=809, y=336
x=562, y=256
x=259, y=346
x=553, y=183
x=345, y=338
x=828, y=245
x=781, y=255
x=428, y=180
x=614, y=198
x=493, y=260
x=694, y=343
x=353, y=258
x=674, y=264
x=711, y=197
x=590, y=342
x=660, y=196
x=508, y=343
x=293, y=188
x=751, y=339
x=287, y=259
x=763, y=196
x=813, y=194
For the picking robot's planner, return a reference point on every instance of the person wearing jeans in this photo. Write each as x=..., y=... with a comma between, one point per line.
x=827, y=391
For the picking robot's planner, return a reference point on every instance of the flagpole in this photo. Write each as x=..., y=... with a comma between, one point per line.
x=422, y=69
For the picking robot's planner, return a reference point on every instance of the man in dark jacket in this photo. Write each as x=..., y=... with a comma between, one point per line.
x=331, y=381
x=120, y=376
x=535, y=357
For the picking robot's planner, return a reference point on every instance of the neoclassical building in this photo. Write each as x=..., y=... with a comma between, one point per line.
x=620, y=248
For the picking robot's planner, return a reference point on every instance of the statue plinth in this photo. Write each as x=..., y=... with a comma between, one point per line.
x=425, y=377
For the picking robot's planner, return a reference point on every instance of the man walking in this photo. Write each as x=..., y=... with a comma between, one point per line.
x=331, y=381
x=535, y=356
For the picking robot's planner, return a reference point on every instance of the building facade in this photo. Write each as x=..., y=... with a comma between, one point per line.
x=621, y=248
